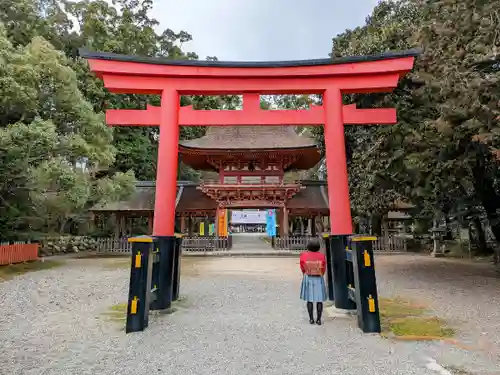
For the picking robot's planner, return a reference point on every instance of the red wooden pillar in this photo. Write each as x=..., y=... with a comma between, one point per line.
x=338, y=187
x=166, y=169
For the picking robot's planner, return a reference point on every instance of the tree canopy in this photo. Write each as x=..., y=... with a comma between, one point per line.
x=442, y=155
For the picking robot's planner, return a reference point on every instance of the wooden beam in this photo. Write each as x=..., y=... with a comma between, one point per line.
x=191, y=117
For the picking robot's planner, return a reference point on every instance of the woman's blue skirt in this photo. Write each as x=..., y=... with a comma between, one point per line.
x=313, y=289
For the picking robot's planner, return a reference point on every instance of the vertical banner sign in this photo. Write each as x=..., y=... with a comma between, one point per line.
x=271, y=223
x=222, y=223
x=211, y=229
x=225, y=222
x=202, y=228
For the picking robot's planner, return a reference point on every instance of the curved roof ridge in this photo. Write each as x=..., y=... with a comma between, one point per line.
x=248, y=64
x=247, y=137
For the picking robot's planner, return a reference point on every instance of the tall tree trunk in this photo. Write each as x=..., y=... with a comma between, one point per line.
x=487, y=195
x=376, y=225
x=481, y=237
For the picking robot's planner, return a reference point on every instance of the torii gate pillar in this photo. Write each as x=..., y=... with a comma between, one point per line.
x=166, y=170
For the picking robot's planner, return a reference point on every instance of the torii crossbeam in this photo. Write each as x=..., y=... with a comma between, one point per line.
x=171, y=78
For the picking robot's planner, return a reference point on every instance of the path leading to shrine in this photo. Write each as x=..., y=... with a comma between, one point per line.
x=237, y=316
x=250, y=242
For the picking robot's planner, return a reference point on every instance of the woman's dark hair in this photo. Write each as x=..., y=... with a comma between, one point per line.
x=313, y=245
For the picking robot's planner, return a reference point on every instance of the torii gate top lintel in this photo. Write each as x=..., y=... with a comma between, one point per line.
x=329, y=77
x=133, y=74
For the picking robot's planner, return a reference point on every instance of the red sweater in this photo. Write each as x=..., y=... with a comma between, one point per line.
x=312, y=263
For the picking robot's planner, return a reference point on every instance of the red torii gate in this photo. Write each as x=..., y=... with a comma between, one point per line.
x=171, y=78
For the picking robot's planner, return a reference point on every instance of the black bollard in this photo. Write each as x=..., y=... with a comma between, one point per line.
x=366, y=284
x=329, y=271
x=165, y=245
x=177, y=269
x=140, y=285
x=340, y=279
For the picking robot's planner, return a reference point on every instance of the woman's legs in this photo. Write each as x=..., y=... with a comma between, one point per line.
x=319, y=308
x=310, y=311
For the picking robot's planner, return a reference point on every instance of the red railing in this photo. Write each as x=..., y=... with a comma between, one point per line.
x=18, y=253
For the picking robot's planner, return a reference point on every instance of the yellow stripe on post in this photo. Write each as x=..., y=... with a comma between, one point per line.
x=371, y=304
x=368, y=238
x=143, y=239
x=133, y=305
x=138, y=260
x=367, y=259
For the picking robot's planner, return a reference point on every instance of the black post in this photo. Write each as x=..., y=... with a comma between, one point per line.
x=166, y=247
x=139, y=287
x=177, y=269
x=341, y=295
x=366, y=284
x=329, y=271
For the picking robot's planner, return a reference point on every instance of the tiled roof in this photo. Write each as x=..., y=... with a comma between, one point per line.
x=249, y=138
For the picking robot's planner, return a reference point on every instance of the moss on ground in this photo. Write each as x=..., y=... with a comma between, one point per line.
x=403, y=319
x=9, y=271
x=117, y=263
x=118, y=313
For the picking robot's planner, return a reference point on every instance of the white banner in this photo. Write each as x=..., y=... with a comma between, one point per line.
x=248, y=217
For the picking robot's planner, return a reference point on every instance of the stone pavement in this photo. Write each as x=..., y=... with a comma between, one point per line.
x=239, y=316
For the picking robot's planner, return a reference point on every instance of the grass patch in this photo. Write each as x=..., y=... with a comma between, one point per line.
x=405, y=320
x=118, y=313
x=421, y=327
x=116, y=263
x=9, y=271
x=394, y=308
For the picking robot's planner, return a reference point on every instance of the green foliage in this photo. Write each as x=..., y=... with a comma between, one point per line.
x=51, y=140
x=443, y=153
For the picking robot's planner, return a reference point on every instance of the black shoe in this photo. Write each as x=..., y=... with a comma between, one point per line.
x=311, y=321
x=318, y=322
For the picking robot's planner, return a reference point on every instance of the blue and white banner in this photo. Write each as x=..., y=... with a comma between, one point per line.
x=271, y=223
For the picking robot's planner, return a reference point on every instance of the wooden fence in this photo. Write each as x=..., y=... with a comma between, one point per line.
x=121, y=245
x=18, y=252
x=292, y=243
x=197, y=244
x=299, y=243
x=391, y=244
x=113, y=245
x=193, y=244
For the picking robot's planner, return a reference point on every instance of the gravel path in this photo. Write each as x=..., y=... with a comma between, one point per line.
x=232, y=322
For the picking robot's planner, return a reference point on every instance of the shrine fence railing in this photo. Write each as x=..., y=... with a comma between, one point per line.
x=17, y=252
x=299, y=243
x=189, y=243
x=193, y=244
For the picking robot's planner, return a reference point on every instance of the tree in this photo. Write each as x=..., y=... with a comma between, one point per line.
x=442, y=154
x=51, y=140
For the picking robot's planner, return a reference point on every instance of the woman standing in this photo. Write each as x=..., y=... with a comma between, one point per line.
x=313, y=266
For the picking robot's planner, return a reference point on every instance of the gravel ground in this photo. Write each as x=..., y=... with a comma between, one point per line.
x=466, y=294
x=232, y=322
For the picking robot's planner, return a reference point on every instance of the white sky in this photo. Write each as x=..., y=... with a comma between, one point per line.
x=245, y=30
